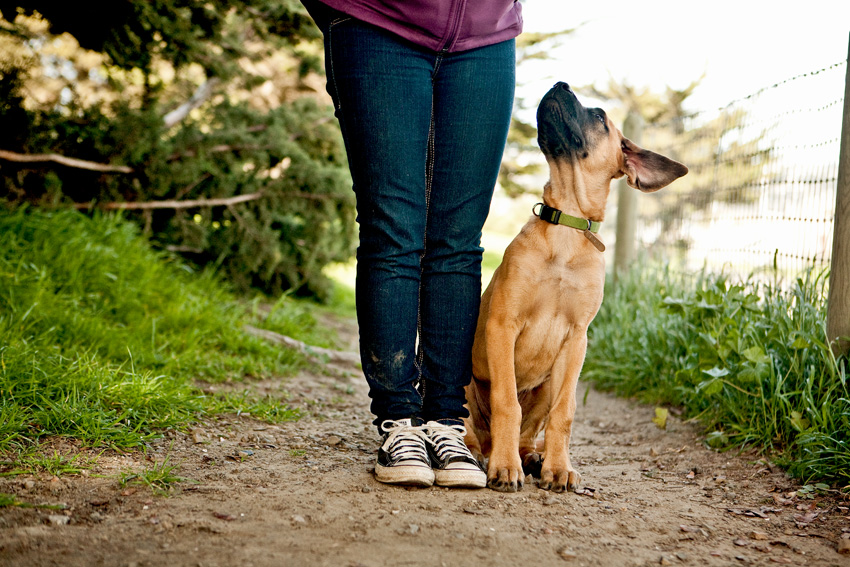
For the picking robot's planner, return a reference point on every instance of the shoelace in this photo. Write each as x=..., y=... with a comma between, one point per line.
x=402, y=440
x=447, y=440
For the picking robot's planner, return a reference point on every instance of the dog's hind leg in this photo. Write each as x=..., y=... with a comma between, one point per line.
x=535, y=408
x=477, y=425
x=557, y=472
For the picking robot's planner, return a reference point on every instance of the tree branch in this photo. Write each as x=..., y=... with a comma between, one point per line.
x=66, y=161
x=201, y=94
x=172, y=204
x=315, y=353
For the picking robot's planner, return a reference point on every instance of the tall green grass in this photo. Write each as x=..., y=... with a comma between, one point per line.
x=749, y=361
x=104, y=340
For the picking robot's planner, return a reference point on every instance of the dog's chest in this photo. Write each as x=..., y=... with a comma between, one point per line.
x=565, y=301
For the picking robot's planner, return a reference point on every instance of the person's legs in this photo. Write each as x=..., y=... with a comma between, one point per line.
x=423, y=181
x=473, y=99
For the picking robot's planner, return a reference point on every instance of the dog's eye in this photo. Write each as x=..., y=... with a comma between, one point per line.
x=600, y=118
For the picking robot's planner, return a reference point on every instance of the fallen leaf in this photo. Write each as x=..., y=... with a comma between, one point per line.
x=689, y=529
x=844, y=546
x=586, y=491
x=740, y=542
x=806, y=518
x=758, y=535
x=225, y=517
x=660, y=418
x=777, y=498
x=691, y=475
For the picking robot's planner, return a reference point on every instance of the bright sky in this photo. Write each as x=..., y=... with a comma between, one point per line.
x=740, y=45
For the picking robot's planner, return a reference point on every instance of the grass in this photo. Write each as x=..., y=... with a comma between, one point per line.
x=104, y=340
x=749, y=361
x=160, y=478
x=54, y=465
x=10, y=501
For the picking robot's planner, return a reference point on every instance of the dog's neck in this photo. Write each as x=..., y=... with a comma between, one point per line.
x=569, y=191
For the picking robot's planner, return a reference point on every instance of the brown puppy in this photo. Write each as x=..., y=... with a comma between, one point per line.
x=531, y=337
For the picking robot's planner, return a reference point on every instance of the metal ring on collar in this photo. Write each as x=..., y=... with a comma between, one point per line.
x=534, y=209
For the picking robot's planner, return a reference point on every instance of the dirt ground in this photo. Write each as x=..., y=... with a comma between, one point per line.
x=302, y=493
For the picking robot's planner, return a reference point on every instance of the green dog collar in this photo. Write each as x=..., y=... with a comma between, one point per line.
x=555, y=216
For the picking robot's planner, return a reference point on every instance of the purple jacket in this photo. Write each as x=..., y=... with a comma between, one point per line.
x=440, y=25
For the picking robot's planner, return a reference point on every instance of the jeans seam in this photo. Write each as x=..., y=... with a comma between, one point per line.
x=337, y=21
x=429, y=177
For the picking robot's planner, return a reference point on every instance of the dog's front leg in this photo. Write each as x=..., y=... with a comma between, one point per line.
x=557, y=472
x=504, y=471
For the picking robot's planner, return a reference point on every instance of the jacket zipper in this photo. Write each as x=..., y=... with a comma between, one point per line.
x=455, y=17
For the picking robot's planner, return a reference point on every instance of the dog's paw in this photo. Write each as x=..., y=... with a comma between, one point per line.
x=559, y=481
x=507, y=478
x=507, y=482
x=532, y=463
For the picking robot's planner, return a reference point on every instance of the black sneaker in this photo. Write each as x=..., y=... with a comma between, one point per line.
x=403, y=457
x=453, y=464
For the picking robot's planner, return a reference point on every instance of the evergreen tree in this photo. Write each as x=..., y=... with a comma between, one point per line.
x=195, y=101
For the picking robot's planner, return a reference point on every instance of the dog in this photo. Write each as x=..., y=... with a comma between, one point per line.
x=531, y=335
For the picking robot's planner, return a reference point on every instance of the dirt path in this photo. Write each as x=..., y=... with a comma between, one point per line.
x=303, y=494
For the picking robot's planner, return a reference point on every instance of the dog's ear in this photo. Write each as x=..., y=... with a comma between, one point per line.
x=649, y=171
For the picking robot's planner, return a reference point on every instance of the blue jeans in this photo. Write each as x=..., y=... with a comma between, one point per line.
x=424, y=133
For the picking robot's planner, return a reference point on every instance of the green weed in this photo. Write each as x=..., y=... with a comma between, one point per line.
x=54, y=465
x=10, y=500
x=811, y=490
x=748, y=360
x=160, y=478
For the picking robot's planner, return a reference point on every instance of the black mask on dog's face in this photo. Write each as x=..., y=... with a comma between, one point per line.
x=566, y=127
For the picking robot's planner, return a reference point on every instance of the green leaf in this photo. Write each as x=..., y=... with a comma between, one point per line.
x=716, y=439
x=675, y=305
x=756, y=354
x=711, y=387
x=799, y=422
x=799, y=343
x=748, y=374
x=717, y=372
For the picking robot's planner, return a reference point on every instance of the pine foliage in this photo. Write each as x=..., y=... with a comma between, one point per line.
x=100, y=93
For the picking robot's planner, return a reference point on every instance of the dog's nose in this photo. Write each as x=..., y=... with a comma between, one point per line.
x=565, y=87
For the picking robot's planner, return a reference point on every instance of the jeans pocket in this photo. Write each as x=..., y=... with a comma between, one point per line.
x=337, y=21
x=333, y=90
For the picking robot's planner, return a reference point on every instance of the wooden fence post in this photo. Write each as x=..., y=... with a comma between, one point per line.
x=838, y=305
x=624, y=245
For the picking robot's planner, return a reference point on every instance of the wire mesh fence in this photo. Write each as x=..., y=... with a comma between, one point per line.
x=760, y=196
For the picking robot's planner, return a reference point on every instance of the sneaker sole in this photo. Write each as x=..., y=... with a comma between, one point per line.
x=461, y=479
x=405, y=474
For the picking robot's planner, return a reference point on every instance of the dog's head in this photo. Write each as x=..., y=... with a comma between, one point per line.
x=566, y=130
